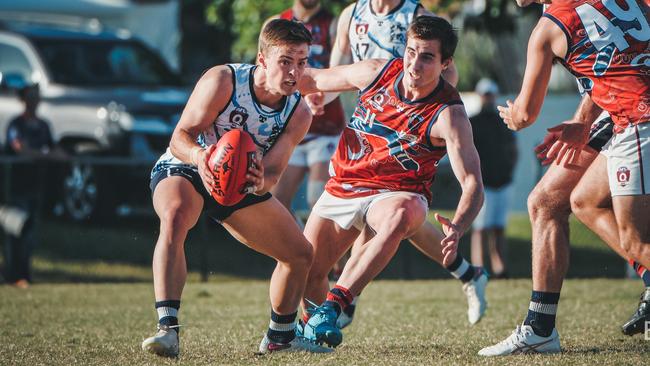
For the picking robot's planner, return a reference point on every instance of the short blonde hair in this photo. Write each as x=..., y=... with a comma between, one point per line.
x=282, y=32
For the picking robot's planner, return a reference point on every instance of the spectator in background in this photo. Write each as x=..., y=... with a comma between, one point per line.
x=27, y=135
x=497, y=149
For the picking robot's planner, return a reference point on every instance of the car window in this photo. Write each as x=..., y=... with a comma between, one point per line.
x=103, y=63
x=13, y=60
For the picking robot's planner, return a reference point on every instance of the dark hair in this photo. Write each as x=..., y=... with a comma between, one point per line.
x=428, y=27
x=281, y=31
x=27, y=91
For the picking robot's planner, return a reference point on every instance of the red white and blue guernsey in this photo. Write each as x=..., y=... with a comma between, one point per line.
x=385, y=146
x=243, y=112
x=380, y=36
x=609, y=53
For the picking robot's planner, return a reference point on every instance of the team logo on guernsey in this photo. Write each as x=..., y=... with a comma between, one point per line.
x=361, y=29
x=238, y=117
x=378, y=100
x=623, y=176
x=397, y=33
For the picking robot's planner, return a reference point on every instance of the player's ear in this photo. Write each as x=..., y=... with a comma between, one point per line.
x=446, y=63
x=261, y=60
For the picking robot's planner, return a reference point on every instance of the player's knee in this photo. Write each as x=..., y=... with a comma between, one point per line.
x=402, y=220
x=174, y=219
x=300, y=256
x=541, y=205
x=578, y=205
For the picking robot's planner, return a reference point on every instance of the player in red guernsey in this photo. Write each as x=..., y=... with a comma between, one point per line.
x=407, y=118
x=364, y=29
x=604, y=43
x=313, y=153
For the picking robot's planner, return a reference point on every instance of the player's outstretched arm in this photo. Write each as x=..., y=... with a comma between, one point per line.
x=277, y=158
x=454, y=127
x=341, y=78
x=546, y=42
x=210, y=95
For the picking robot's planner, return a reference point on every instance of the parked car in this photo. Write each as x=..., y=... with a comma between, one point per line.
x=105, y=93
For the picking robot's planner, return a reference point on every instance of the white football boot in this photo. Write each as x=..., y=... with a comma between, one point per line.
x=298, y=344
x=164, y=343
x=524, y=340
x=475, y=292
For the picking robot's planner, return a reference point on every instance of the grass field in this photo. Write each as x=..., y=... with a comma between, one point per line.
x=93, y=304
x=399, y=322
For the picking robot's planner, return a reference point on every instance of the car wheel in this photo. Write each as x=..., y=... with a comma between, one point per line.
x=80, y=192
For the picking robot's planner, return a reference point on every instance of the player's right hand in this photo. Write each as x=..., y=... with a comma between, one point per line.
x=450, y=242
x=204, y=167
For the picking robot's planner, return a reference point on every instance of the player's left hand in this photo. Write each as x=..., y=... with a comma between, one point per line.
x=450, y=242
x=255, y=176
x=571, y=139
x=506, y=114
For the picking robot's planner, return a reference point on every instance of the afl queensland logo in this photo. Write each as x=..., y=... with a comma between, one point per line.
x=362, y=30
x=623, y=176
x=238, y=117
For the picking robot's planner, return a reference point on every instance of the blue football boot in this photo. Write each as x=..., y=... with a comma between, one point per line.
x=321, y=327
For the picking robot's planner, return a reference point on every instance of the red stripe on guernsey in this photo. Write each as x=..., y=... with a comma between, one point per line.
x=332, y=121
x=638, y=150
x=385, y=145
x=609, y=53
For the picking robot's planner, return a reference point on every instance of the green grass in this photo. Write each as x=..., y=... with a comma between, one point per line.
x=399, y=322
x=92, y=304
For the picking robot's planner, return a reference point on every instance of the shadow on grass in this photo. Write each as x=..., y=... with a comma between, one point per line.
x=211, y=250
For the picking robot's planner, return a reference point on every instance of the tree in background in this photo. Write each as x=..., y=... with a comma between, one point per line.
x=247, y=19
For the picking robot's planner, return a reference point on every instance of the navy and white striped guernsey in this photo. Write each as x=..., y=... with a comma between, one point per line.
x=244, y=112
x=380, y=36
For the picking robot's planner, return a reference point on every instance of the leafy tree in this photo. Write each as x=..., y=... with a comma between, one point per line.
x=248, y=17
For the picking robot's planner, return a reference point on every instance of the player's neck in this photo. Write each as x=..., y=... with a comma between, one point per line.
x=265, y=96
x=303, y=14
x=29, y=114
x=383, y=7
x=416, y=93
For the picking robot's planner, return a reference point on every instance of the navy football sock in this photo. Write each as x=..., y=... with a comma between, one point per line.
x=168, y=312
x=461, y=269
x=541, y=312
x=282, y=328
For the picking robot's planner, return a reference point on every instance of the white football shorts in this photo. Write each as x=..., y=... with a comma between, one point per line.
x=318, y=150
x=351, y=212
x=628, y=161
